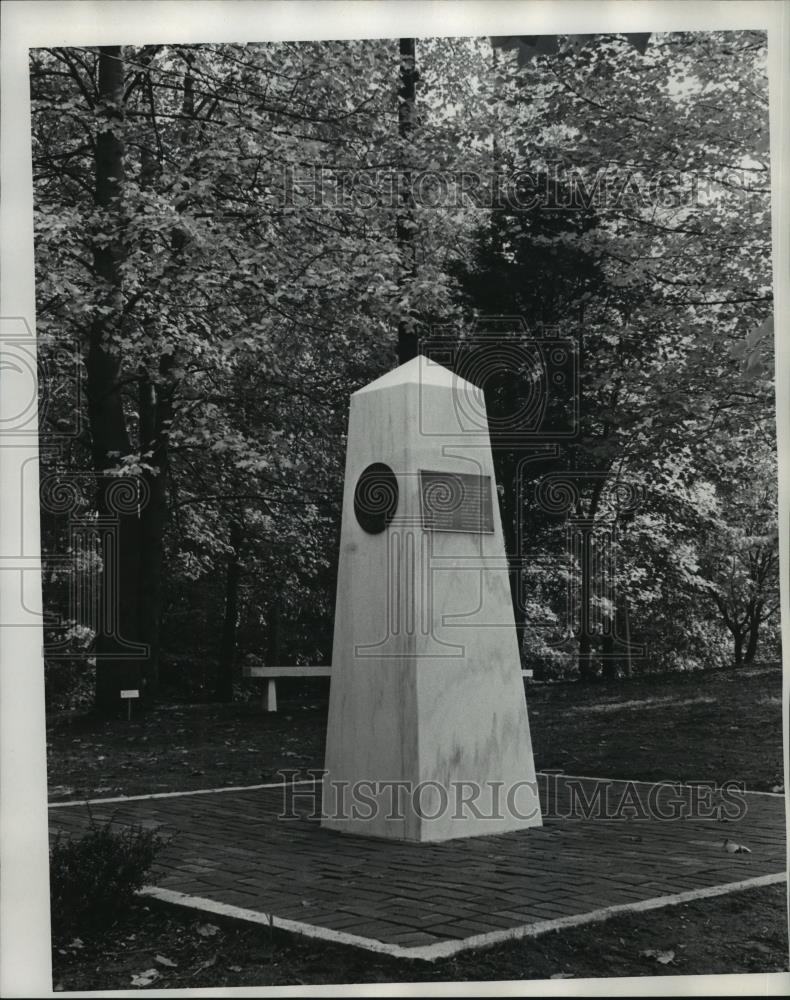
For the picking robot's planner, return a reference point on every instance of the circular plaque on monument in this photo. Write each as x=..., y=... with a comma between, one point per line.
x=376, y=498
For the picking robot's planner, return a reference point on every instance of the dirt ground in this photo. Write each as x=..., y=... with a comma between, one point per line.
x=712, y=727
x=741, y=932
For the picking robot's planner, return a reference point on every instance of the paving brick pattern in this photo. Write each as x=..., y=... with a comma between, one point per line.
x=231, y=847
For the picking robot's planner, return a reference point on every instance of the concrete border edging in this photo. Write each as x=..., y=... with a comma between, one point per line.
x=446, y=949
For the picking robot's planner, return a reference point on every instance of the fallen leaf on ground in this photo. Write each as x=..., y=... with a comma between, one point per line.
x=562, y=975
x=163, y=960
x=732, y=848
x=205, y=965
x=207, y=930
x=59, y=790
x=145, y=978
x=664, y=957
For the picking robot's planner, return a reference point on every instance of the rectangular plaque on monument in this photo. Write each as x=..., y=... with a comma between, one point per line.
x=428, y=737
x=456, y=501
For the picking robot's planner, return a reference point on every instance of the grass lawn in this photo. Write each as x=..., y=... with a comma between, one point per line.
x=713, y=727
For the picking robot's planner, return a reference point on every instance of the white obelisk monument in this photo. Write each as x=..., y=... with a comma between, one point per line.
x=428, y=737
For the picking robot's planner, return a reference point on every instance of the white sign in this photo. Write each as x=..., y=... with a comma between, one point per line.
x=130, y=694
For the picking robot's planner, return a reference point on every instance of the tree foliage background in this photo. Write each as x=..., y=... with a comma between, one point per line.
x=230, y=239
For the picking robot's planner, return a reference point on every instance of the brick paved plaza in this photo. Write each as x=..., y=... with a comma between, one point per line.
x=233, y=855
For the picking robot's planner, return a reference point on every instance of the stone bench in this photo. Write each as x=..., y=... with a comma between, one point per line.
x=270, y=674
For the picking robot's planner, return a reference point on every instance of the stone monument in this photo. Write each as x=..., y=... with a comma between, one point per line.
x=428, y=737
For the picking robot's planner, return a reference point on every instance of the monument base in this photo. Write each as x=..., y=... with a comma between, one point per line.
x=439, y=749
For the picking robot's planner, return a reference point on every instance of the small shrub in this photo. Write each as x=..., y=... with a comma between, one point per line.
x=70, y=678
x=69, y=684
x=93, y=878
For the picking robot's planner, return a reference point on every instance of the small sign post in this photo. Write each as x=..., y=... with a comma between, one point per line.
x=128, y=696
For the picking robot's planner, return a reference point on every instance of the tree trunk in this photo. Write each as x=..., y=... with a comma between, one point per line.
x=509, y=515
x=407, y=335
x=118, y=652
x=751, y=645
x=155, y=409
x=754, y=634
x=738, y=642
x=155, y=404
x=227, y=655
x=609, y=667
x=155, y=418
x=273, y=654
x=734, y=626
x=586, y=527
x=627, y=628
x=586, y=665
